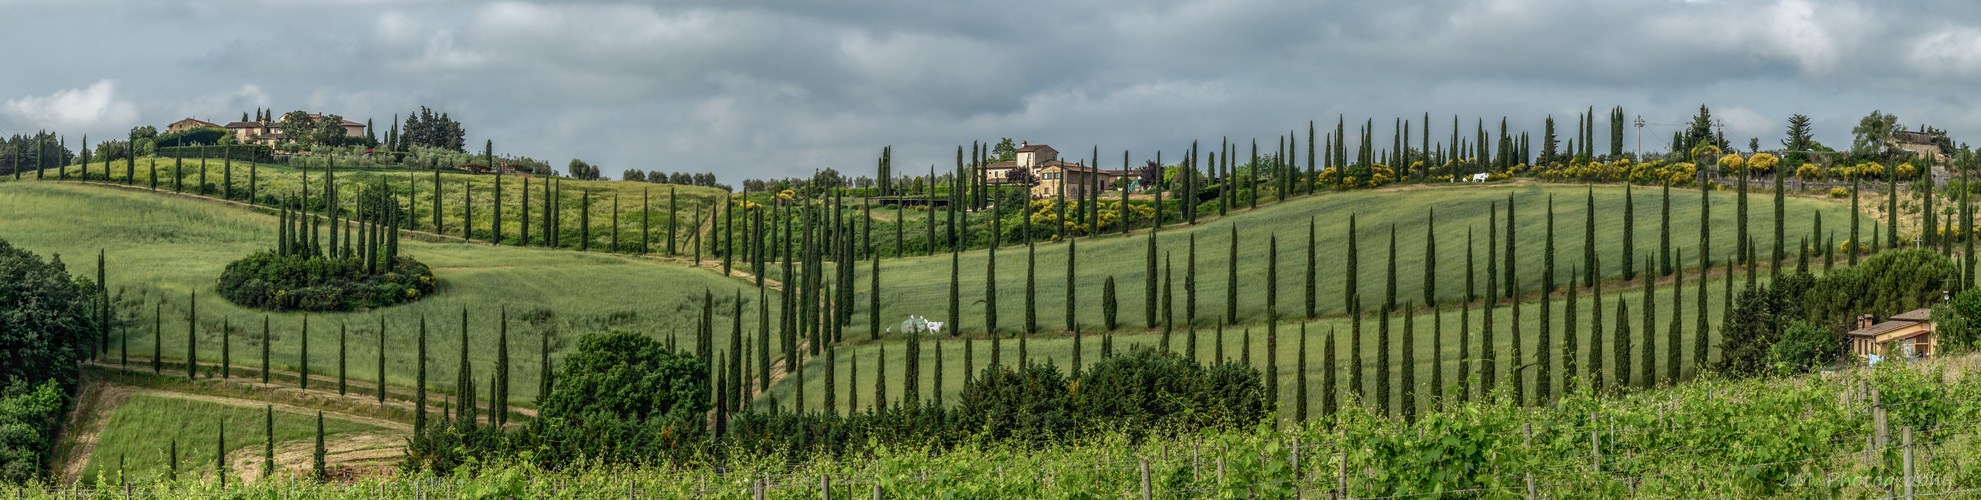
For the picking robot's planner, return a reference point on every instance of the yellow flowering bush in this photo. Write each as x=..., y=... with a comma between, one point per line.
x=1837, y=192
x=1810, y=172
x=1762, y=163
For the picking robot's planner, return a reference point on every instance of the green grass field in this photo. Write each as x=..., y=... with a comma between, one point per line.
x=920, y=285
x=142, y=430
x=415, y=186
x=1057, y=348
x=160, y=248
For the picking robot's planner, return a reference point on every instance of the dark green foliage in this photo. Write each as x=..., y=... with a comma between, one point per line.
x=1149, y=290
x=1650, y=350
x=51, y=319
x=316, y=458
x=1883, y=285
x=343, y=344
x=1673, y=333
x=1621, y=343
x=1630, y=235
x=1762, y=315
x=630, y=378
x=1408, y=380
x=1108, y=304
x=1311, y=251
x=1664, y=231
x=270, y=281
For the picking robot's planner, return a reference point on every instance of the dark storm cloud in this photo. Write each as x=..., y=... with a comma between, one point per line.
x=781, y=88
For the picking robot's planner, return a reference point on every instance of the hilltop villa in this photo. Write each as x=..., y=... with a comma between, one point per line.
x=270, y=131
x=1054, y=176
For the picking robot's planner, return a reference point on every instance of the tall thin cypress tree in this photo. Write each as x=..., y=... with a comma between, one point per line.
x=1072, y=316
x=1630, y=234
x=1149, y=284
x=1674, y=332
x=1272, y=320
x=1515, y=353
x=1031, y=288
x=990, y=284
x=343, y=342
x=1507, y=269
x=1190, y=283
x=1544, y=339
x=1621, y=343
x=1664, y=231
x=419, y=389
x=1568, y=334
x=1595, y=370
x=1465, y=324
x=1409, y=375
x=1312, y=252
x=1231, y=278
x=1649, y=371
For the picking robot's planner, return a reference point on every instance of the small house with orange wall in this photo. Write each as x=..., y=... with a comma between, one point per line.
x=1909, y=334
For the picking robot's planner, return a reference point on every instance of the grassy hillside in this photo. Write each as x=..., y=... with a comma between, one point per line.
x=920, y=285
x=1057, y=348
x=161, y=248
x=141, y=431
x=415, y=187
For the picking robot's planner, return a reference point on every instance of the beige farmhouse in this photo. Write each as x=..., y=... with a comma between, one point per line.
x=1909, y=334
x=269, y=132
x=1053, y=176
x=188, y=124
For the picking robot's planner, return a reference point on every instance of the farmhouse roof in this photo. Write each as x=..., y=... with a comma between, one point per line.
x=197, y=122
x=1915, y=315
x=1034, y=147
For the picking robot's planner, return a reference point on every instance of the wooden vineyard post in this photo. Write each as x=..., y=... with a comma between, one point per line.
x=1907, y=437
x=1528, y=444
x=1148, y=493
x=877, y=492
x=1595, y=446
x=1341, y=480
x=825, y=487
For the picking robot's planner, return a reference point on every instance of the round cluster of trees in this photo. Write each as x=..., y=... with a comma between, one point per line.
x=272, y=281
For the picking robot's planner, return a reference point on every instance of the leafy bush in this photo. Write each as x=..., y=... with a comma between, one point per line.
x=1803, y=346
x=1885, y=284
x=1837, y=192
x=27, y=428
x=629, y=377
x=268, y=280
x=206, y=136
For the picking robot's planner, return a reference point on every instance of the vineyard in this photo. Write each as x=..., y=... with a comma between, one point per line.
x=1899, y=430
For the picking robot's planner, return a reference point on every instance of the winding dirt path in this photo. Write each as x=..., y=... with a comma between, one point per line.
x=101, y=399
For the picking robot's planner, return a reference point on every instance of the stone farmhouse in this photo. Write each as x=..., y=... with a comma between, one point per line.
x=269, y=132
x=1054, y=176
x=189, y=124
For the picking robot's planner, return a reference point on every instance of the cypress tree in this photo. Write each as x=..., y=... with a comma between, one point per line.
x=1349, y=287
x=1354, y=347
x=955, y=288
x=873, y=297
x=1072, y=316
x=1488, y=350
x=1328, y=373
x=1650, y=350
x=1568, y=334
x=1622, y=344
x=1190, y=283
x=990, y=285
x=1664, y=232
x=226, y=347
x=852, y=385
x=343, y=341
x=303, y=383
x=1300, y=378
x=1149, y=284
x=1672, y=333
x=498, y=405
x=1431, y=257
x=1382, y=364
x=220, y=454
x=1891, y=206
x=1966, y=235
x=268, y=441
x=1595, y=370
x=1031, y=288
x=1409, y=382
x=1515, y=353
x=316, y=459
x=1312, y=291
x=1544, y=340
x=419, y=389
x=939, y=373
x=1508, y=268
x=265, y=341
x=1108, y=304
x=1465, y=321
x=1740, y=214
x=1272, y=320
x=880, y=378
x=1630, y=234
x=157, y=338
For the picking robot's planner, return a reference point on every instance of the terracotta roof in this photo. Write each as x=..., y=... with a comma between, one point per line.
x=202, y=123
x=1915, y=315
x=243, y=125
x=1034, y=147
x=1002, y=165
x=1881, y=328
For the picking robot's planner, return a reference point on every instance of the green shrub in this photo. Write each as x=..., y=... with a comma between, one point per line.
x=274, y=282
x=27, y=422
x=628, y=377
x=203, y=136
x=1803, y=346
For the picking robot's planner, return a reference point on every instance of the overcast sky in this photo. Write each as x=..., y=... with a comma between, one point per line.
x=781, y=88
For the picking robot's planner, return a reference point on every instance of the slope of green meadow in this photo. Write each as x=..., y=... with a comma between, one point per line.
x=140, y=434
x=920, y=285
x=160, y=248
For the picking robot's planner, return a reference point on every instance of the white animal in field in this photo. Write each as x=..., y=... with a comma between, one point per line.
x=1480, y=177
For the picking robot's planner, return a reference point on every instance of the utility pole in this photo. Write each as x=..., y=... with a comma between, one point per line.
x=1640, y=137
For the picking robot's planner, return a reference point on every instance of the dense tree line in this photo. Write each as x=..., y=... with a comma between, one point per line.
x=54, y=321
x=423, y=128
x=703, y=179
